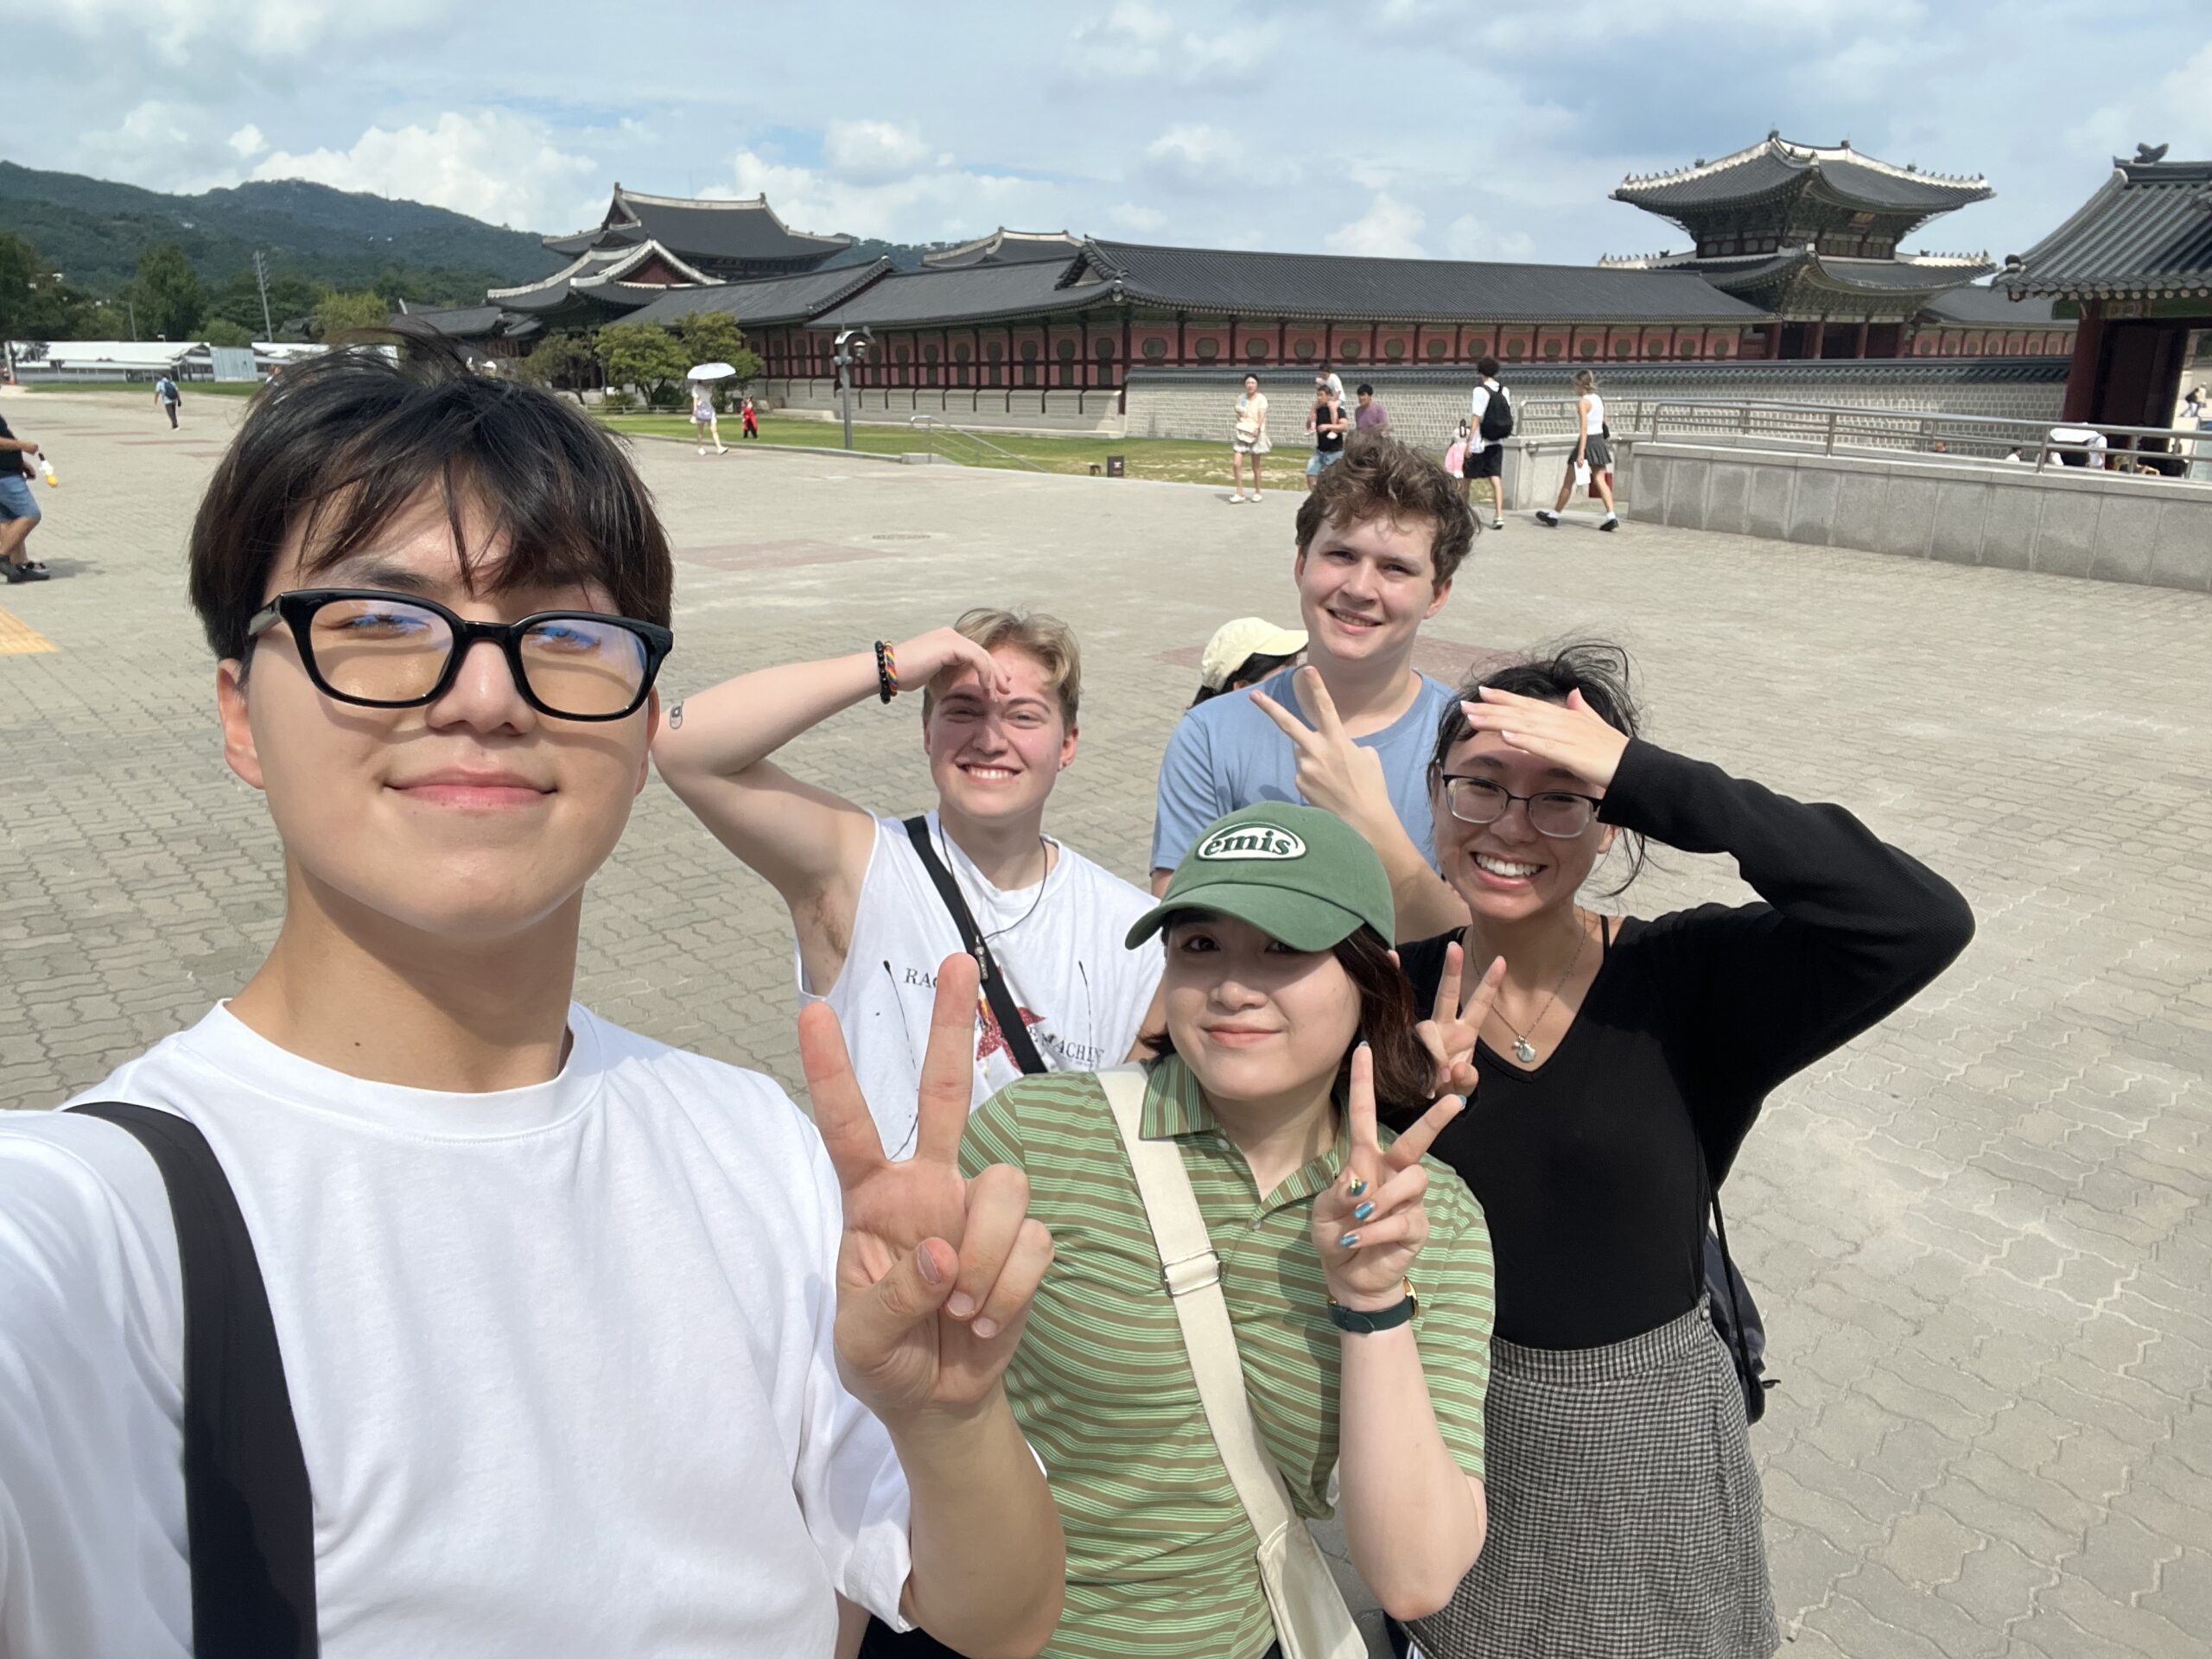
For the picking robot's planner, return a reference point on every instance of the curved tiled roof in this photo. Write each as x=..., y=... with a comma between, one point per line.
x=1005, y=247
x=965, y=294
x=1776, y=165
x=2145, y=234
x=1344, y=287
x=767, y=301
x=1980, y=305
x=742, y=229
x=1874, y=276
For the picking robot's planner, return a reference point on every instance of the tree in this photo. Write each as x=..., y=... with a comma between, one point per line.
x=714, y=337
x=642, y=354
x=336, y=315
x=221, y=331
x=564, y=362
x=167, y=292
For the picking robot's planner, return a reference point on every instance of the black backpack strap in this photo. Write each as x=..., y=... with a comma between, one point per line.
x=247, y=1505
x=995, y=990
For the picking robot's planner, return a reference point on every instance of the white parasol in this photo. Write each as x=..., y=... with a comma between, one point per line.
x=711, y=372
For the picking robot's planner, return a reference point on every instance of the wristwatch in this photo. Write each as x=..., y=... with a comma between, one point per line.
x=1361, y=1323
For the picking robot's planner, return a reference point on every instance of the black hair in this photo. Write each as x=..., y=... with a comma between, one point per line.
x=1486, y=367
x=351, y=439
x=1363, y=390
x=1250, y=671
x=1596, y=668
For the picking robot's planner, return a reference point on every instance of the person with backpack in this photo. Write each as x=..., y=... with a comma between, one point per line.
x=877, y=902
x=1590, y=465
x=1623, y=1062
x=167, y=395
x=401, y=1305
x=1484, y=455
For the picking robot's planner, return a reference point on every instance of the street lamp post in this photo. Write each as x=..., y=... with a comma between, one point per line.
x=852, y=352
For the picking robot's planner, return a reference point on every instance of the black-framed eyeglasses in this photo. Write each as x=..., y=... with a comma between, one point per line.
x=1559, y=813
x=393, y=651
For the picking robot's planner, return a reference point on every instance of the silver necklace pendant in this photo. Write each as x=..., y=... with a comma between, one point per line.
x=1524, y=1051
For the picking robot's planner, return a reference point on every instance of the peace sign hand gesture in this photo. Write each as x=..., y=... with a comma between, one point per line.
x=935, y=1273
x=1370, y=1223
x=1451, y=1030
x=1334, y=773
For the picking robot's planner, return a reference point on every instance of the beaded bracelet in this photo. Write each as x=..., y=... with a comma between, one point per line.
x=886, y=672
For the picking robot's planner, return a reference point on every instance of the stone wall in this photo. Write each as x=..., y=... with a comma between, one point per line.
x=1426, y=405
x=2061, y=521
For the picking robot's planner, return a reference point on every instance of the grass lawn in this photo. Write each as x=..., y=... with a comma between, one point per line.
x=191, y=389
x=1178, y=460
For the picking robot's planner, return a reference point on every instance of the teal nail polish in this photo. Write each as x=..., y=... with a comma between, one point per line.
x=1357, y=1187
x=1364, y=1212
x=1348, y=1241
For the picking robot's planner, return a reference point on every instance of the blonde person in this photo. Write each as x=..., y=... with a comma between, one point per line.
x=1592, y=460
x=1249, y=436
x=869, y=894
x=1356, y=1273
x=704, y=419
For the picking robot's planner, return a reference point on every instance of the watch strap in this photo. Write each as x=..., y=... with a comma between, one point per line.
x=1362, y=1323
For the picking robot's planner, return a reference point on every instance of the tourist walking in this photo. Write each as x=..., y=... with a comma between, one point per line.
x=1248, y=438
x=167, y=395
x=1591, y=465
x=19, y=513
x=402, y=1306
x=1244, y=652
x=878, y=902
x=751, y=421
x=1328, y=423
x=1352, y=1308
x=2197, y=413
x=1369, y=416
x=1378, y=541
x=1455, y=453
x=1623, y=1062
x=1492, y=417
x=705, y=423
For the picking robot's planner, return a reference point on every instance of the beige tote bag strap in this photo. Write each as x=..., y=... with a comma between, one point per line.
x=1192, y=1274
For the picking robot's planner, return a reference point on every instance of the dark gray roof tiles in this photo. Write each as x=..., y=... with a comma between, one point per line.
x=1345, y=287
x=963, y=294
x=1777, y=166
x=2147, y=231
x=1883, y=275
x=1979, y=305
x=715, y=230
x=769, y=301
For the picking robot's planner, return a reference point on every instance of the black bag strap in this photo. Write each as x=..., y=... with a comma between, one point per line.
x=996, y=990
x=1747, y=1372
x=248, y=1508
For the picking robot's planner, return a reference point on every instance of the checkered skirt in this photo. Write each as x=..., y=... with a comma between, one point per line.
x=1625, y=1510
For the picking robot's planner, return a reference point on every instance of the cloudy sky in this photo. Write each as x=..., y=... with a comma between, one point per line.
x=1419, y=127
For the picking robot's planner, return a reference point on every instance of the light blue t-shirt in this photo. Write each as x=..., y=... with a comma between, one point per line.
x=1226, y=754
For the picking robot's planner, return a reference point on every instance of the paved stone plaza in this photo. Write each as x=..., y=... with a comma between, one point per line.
x=1973, y=1232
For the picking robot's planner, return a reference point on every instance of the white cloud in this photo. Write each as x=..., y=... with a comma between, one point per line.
x=1133, y=216
x=248, y=142
x=1389, y=228
x=932, y=203
x=176, y=29
x=161, y=145
x=1197, y=157
x=1135, y=42
x=1468, y=238
x=874, y=151
x=491, y=164
x=2173, y=111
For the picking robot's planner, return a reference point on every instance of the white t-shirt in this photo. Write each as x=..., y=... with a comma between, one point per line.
x=1596, y=426
x=1476, y=444
x=1084, y=993
x=560, y=1357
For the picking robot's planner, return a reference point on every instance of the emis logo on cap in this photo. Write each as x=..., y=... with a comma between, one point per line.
x=1252, y=841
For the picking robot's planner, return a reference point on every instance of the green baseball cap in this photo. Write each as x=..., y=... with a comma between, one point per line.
x=1297, y=873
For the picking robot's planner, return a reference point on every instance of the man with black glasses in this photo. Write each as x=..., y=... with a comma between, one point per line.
x=403, y=1305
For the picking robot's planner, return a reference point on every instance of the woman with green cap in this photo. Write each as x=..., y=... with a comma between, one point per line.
x=1355, y=1274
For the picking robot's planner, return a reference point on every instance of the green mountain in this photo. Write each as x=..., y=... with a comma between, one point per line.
x=93, y=232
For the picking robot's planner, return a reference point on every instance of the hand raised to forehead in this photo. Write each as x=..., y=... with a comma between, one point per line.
x=1571, y=734
x=935, y=1273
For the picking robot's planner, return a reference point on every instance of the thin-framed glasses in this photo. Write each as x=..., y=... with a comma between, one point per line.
x=1559, y=813
x=393, y=651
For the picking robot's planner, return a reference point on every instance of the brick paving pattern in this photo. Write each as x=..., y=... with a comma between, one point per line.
x=1974, y=1232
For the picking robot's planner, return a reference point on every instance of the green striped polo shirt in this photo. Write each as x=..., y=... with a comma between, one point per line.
x=1160, y=1557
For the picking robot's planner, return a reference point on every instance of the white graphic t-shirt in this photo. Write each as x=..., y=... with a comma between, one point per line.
x=1081, y=992
x=560, y=1357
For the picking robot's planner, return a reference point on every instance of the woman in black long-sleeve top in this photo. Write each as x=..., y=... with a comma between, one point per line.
x=1622, y=1061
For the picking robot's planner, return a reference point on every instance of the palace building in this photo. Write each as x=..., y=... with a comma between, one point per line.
x=1796, y=254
